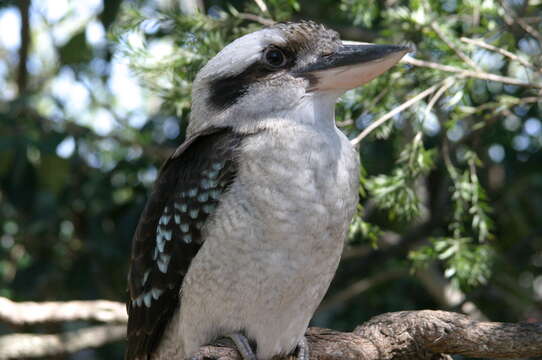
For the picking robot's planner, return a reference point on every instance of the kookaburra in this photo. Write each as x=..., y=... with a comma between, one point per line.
x=244, y=229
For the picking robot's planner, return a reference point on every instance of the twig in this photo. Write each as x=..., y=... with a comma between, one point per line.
x=458, y=52
x=344, y=123
x=385, y=240
x=448, y=159
x=446, y=294
x=390, y=114
x=468, y=73
x=501, y=51
x=532, y=19
x=500, y=106
x=359, y=287
x=511, y=16
x=256, y=18
x=54, y=311
x=374, y=100
x=18, y=346
x=448, y=82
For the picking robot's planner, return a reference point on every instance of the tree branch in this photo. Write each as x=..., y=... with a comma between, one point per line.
x=359, y=287
x=457, y=51
x=468, y=73
x=17, y=346
x=501, y=51
x=422, y=334
x=24, y=313
x=510, y=16
x=22, y=72
x=452, y=333
x=390, y=114
x=256, y=18
x=415, y=335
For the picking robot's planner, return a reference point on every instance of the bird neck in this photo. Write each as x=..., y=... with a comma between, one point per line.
x=315, y=109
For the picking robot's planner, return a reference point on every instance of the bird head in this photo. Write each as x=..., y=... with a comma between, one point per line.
x=286, y=72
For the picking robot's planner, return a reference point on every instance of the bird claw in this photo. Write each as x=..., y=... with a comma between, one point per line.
x=303, y=349
x=243, y=346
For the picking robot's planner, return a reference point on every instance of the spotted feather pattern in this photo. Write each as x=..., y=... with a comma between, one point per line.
x=169, y=233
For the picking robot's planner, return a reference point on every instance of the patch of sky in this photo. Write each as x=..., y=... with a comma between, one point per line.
x=511, y=89
x=430, y=124
x=488, y=60
x=95, y=34
x=124, y=85
x=171, y=128
x=53, y=11
x=532, y=126
x=99, y=66
x=148, y=175
x=496, y=153
x=530, y=46
x=364, y=120
x=102, y=122
x=89, y=155
x=137, y=119
x=66, y=147
x=520, y=142
x=134, y=152
x=71, y=93
x=521, y=110
x=216, y=12
x=456, y=132
x=520, y=72
x=10, y=22
x=34, y=65
x=43, y=46
x=512, y=123
x=449, y=5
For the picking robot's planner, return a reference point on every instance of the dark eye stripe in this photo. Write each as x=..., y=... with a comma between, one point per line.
x=227, y=91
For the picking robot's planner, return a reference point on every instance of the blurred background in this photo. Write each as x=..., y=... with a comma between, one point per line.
x=95, y=94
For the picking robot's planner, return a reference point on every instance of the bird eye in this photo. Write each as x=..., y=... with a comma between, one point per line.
x=274, y=57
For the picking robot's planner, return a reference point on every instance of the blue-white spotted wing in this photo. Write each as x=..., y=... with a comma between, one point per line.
x=169, y=233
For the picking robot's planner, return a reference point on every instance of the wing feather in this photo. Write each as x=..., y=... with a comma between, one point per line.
x=168, y=235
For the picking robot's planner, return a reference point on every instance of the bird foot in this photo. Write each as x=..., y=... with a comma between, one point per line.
x=302, y=349
x=301, y=352
x=239, y=342
x=243, y=346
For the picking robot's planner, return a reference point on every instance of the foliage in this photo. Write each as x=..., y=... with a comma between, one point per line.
x=453, y=182
x=396, y=193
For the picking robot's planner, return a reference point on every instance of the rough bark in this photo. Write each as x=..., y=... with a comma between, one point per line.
x=414, y=335
x=417, y=335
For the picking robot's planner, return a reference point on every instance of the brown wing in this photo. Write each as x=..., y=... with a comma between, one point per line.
x=168, y=235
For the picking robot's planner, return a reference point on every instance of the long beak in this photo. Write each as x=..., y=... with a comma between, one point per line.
x=352, y=65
